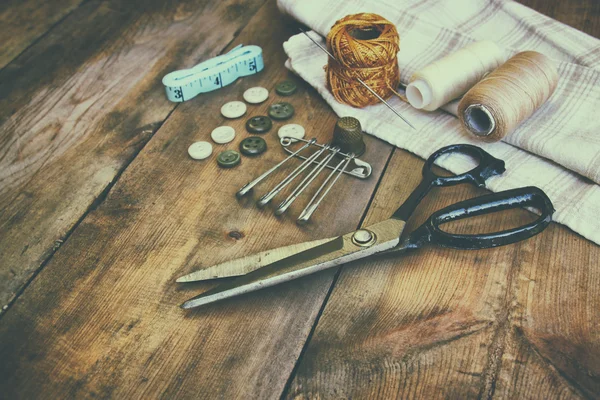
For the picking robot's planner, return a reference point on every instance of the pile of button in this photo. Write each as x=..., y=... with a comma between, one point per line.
x=260, y=124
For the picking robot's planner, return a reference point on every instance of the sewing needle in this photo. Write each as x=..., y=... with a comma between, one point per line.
x=359, y=80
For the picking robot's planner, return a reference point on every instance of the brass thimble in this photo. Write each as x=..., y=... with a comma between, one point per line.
x=347, y=135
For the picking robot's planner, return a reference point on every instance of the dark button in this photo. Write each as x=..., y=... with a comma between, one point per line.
x=259, y=124
x=228, y=158
x=286, y=88
x=280, y=111
x=253, y=146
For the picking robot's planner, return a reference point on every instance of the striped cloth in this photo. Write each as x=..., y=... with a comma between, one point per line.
x=557, y=149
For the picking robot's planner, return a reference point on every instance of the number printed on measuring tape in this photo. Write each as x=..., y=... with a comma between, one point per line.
x=213, y=74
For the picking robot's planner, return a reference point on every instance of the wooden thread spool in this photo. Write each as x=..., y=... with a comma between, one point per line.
x=365, y=47
x=497, y=104
x=452, y=76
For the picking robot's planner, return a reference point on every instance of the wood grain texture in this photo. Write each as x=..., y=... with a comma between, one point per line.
x=24, y=21
x=513, y=322
x=443, y=323
x=78, y=106
x=102, y=318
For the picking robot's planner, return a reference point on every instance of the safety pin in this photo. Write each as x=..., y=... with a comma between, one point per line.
x=312, y=205
x=320, y=163
x=264, y=200
x=248, y=186
x=363, y=169
x=306, y=182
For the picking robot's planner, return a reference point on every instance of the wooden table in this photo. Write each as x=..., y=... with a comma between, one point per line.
x=101, y=209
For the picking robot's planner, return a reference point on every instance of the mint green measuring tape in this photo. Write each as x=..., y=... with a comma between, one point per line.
x=213, y=74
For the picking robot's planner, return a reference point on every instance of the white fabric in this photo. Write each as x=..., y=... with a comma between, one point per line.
x=557, y=149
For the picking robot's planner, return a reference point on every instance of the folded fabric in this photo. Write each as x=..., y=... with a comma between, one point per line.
x=557, y=149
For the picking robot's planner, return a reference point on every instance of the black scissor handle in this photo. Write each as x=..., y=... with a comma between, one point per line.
x=431, y=232
x=488, y=166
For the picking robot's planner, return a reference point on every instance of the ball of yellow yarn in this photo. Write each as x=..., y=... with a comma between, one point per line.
x=366, y=47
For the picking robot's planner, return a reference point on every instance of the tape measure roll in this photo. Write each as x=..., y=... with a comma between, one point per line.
x=213, y=74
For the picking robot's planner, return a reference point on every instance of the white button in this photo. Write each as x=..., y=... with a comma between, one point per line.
x=291, y=130
x=233, y=109
x=256, y=95
x=200, y=150
x=223, y=134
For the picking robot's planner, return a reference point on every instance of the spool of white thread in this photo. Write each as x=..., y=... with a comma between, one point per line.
x=452, y=76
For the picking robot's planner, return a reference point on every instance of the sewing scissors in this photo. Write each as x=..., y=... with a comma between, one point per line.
x=284, y=264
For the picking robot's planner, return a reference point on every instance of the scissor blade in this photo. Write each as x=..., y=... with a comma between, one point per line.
x=335, y=252
x=244, y=265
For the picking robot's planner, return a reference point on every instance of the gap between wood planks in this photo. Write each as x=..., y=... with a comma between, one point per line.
x=95, y=204
x=313, y=377
x=100, y=199
x=182, y=127
x=290, y=380
x=43, y=34
x=104, y=194
x=501, y=325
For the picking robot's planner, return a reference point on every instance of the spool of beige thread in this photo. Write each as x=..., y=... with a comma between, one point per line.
x=452, y=76
x=499, y=103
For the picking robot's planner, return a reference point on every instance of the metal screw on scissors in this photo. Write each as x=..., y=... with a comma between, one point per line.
x=284, y=264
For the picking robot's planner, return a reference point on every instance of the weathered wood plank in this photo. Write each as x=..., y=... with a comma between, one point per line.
x=79, y=105
x=404, y=314
x=444, y=323
x=404, y=329
x=555, y=313
x=526, y=373
x=102, y=317
x=25, y=21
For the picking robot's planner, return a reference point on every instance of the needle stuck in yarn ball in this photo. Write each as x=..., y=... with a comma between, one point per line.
x=365, y=47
